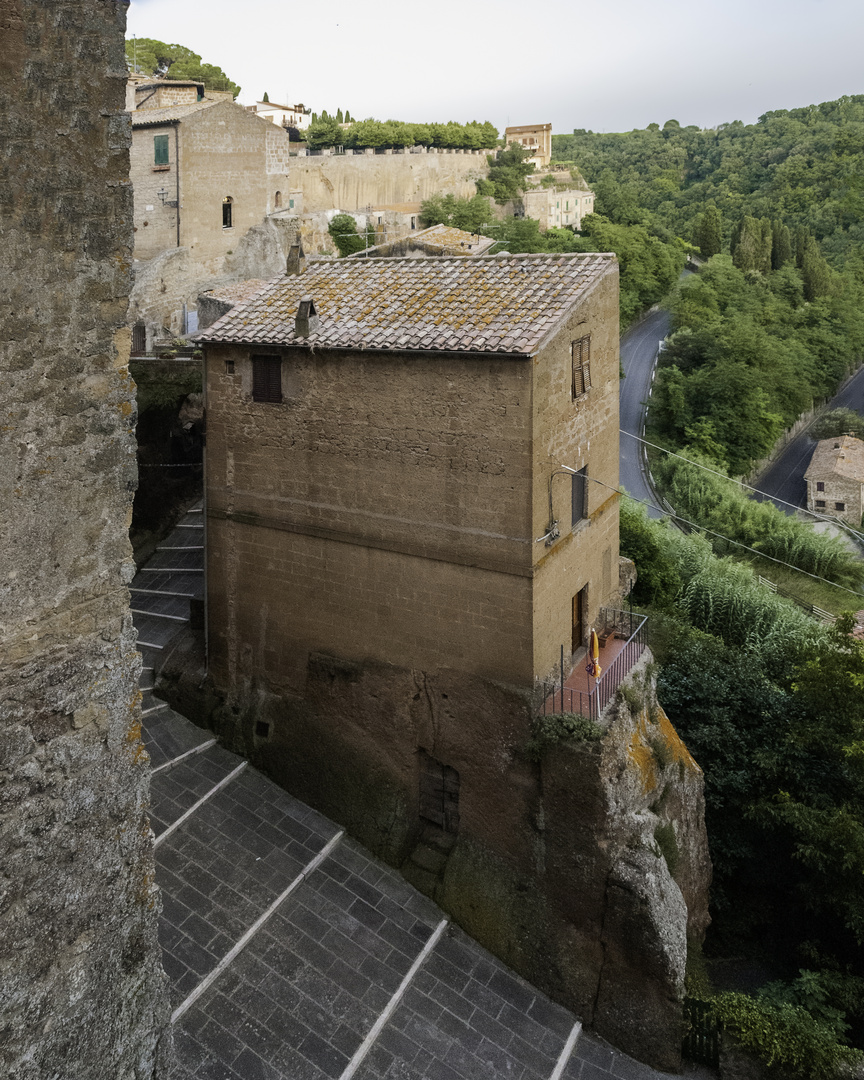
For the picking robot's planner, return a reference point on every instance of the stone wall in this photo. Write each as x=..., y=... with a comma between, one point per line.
x=82, y=992
x=354, y=181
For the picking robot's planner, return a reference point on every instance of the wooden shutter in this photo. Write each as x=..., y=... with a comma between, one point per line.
x=266, y=378
x=160, y=149
x=581, y=354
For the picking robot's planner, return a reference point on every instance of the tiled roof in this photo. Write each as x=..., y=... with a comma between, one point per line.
x=842, y=456
x=239, y=292
x=455, y=241
x=503, y=304
x=146, y=117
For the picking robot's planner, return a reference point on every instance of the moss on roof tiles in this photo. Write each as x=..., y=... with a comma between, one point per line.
x=495, y=305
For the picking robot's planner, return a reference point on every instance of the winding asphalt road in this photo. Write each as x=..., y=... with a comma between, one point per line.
x=782, y=482
x=639, y=348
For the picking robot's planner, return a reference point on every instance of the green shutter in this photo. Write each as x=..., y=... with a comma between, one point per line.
x=160, y=149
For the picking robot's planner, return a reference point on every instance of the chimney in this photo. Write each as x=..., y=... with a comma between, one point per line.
x=306, y=319
x=296, y=260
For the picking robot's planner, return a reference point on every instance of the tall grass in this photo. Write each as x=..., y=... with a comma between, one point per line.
x=716, y=503
x=724, y=598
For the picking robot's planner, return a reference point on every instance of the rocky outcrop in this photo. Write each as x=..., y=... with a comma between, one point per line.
x=630, y=842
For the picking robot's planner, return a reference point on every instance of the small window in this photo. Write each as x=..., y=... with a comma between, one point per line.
x=439, y=794
x=278, y=200
x=267, y=378
x=413, y=222
x=160, y=149
x=820, y=504
x=229, y=367
x=227, y=212
x=579, y=497
x=820, y=485
x=839, y=506
x=580, y=352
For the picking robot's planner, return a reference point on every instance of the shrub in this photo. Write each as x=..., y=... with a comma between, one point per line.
x=558, y=727
x=785, y=1037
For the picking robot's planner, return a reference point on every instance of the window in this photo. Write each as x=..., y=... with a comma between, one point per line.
x=290, y=204
x=820, y=504
x=820, y=485
x=580, y=352
x=160, y=149
x=839, y=506
x=439, y=794
x=227, y=212
x=413, y=222
x=278, y=200
x=267, y=378
x=229, y=367
x=579, y=496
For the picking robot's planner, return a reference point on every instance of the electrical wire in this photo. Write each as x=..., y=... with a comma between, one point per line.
x=747, y=487
x=729, y=540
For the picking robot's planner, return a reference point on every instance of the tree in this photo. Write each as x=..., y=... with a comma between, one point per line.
x=323, y=132
x=709, y=236
x=266, y=96
x=344, y=234
x=781, y=245
x=152, y=57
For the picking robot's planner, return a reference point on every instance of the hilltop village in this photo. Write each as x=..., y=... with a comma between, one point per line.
x=331, y=742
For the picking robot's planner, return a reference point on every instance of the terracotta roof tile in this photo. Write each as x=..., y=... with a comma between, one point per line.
x=842, y=456
x=504, y=304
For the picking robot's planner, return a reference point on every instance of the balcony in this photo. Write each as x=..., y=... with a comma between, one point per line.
x=623, y=641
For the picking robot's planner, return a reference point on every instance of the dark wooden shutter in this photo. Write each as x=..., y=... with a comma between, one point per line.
x=266, y=378
x=160, y=149
x=139, y=339
x=581, y=354
x=580, y=483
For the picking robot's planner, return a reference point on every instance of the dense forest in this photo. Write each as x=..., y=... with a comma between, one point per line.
x=769, y=700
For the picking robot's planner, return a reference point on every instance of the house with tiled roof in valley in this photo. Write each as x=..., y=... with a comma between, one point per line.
x=835, y=478
x=412, y=521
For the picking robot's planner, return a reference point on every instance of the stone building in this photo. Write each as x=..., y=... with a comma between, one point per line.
x=82, y=992
x=204, y=172
x=835, y=479
x=558, y=209
x=479, y=380
x=535, y=138
x=293, y=118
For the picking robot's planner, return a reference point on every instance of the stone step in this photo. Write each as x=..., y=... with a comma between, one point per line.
x=173, y=792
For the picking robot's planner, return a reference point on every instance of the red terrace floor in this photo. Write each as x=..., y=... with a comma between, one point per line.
x=578, y=685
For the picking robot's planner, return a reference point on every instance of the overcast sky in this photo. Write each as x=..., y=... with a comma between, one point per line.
x=609, y=68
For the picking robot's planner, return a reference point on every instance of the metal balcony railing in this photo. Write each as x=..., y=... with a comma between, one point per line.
x=628, y=626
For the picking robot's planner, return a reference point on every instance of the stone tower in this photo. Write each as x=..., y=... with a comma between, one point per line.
x=82, y=992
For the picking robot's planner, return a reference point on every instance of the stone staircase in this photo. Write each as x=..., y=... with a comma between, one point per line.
x=292, y=953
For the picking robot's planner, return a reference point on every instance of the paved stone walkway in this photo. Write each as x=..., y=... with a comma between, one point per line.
x=292, y=953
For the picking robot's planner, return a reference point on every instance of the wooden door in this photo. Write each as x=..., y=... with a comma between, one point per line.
x=578, y=616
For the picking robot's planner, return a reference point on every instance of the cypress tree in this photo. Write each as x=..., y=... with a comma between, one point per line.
x=266, y=96
x=747, y=249
x=765, y=246
x=781, y=245
x=339, y=119
x=801, y=237
x=709, y=236
x=814, y=271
